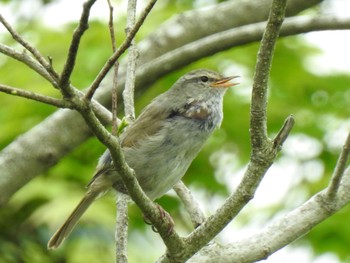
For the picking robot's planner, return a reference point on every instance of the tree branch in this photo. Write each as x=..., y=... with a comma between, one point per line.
x=284, y=230
x=283, y=133
x=73, y=50
x=109, y=64
x=30, y=48
x=259, y=163
x=115, y=73
x=59, y=103
x=221, y=41
x=258, y=118
x=199, y=23
x=339, y=170
x=122, y=223
x=29, y=61
x=191, y=205
x=207, y=46
x=128, y=93
x=122, y=228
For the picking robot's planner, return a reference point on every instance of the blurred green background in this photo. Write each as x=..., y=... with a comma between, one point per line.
x=318, y=100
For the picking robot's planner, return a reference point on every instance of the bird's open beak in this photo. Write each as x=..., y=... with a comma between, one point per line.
x=224, y=82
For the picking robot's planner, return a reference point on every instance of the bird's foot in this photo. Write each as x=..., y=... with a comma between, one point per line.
x=164, y=215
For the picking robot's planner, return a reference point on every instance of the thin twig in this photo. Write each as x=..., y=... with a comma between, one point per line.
x=284, y=132
x=73, y=49
x=121, y=232
x=59, y=103
x=128, y=93
x=102, y=113
x=115, y=73
x=111, y=26
x=110, y=62
x=30, y=48
x=339, y=170
x=191, y=205
x=122, y=228
x=116, y=67
x=28, y=60
x=115, y=99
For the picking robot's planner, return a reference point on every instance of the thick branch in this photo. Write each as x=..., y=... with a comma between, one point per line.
x=207, y=46
x=231, y=38
x=199, y=23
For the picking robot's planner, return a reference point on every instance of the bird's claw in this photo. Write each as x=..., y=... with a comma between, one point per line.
x=163, y=214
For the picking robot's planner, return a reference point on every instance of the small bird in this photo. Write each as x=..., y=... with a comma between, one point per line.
x=162, y=142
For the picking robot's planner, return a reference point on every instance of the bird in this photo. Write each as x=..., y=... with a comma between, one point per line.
x=161, y=143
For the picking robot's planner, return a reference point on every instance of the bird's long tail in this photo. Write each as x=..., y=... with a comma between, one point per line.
x=63, y=232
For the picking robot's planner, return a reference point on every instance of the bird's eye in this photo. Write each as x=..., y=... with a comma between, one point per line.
x=204, y=78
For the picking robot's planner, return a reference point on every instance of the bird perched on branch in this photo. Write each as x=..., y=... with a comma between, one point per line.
x=162, y=142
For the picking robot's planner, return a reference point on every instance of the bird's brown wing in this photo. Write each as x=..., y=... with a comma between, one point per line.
x=147, y=124
x=152, y=118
